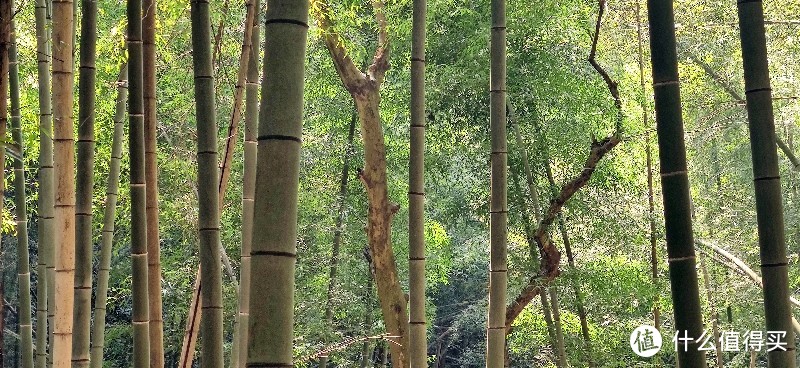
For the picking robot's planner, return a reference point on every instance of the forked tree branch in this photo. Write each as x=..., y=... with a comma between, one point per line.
x=353, y=79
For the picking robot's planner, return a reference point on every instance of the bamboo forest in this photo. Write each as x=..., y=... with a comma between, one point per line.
x=399, y=183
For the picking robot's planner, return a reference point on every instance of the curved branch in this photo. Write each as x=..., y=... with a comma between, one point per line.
x=548, y=269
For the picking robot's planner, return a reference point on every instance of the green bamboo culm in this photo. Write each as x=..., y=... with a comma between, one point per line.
x=208, y=173
x=81, y=317
x=766, y=179
x=64, y=180
x=139, y=265
x=675, y=183
x=277, y=179
x=247, y=80
x=498, y=209
x=154, y=290
x=107, y=238
x=418, y=351
x=249, y=179
x=44, y=268
x=23, y=258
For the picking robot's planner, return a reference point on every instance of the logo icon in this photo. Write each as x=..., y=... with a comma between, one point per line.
x=646, y=341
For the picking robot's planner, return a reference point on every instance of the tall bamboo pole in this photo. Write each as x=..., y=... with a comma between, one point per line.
x=766, y=178
x=6, y=19
x=675, y=183
x=207, y=170
x=275, y=207
x=82, y=313
x=23, y=258
x=64, y=166
x=498, y=278
x=418, y=351
x=249, y=183
x=156, y=324
x=110, y=208
x=44, y=270
x=139, y=262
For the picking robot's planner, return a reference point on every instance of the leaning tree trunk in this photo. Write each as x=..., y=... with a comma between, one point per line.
x=139, y=264
x=82, y=315
x=249, y=183
x=418, y=346
x=207, y=174
x=107, y=239
x=498, y=209
x=277, y=181
x=23, y=258
x=44, y=269
x=769, y=207
x=156, y=323
x=64, y=164
x=675, y=182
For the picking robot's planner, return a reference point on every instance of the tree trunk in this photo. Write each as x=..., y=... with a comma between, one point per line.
x=139, y=263
x=23, y=258
x=156, y=324
x=44, y=270
x=498, y=209
x=64, y=166
x=277, y=179
x=365, y=90
x=208, y=194
x=337, y=233
x=769, y=207
x=675, y=182
x=418, y=347
x=239, y=352
x=110, y=207
x=82, y=313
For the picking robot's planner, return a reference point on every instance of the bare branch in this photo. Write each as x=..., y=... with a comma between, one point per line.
x=612, y=84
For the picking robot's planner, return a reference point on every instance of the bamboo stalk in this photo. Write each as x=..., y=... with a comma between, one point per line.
x=418, y=349
x=82, y=313
x=138, y=193
x=675, y=182
x=156, y=323
x=248, y=191
x=64, y=170
x=20, y=203
x=208, y=212
x=275, y=207
x=107, y=239
x=45, y=268
x=766, y=178
x=498, y=277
